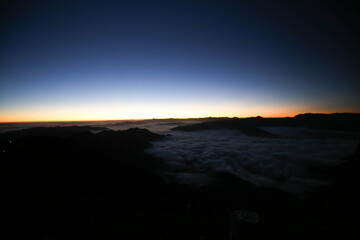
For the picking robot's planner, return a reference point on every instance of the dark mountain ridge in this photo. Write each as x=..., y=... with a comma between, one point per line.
x=333, y=122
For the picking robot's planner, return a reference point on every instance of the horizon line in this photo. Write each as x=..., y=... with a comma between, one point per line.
x=143, y=119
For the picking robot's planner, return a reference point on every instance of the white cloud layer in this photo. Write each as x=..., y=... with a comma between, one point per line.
x=282, y=163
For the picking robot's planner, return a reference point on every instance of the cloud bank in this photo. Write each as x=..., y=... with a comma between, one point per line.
x=282, y=163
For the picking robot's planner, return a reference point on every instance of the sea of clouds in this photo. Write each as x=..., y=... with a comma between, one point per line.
x=193, y=157
x=283, y=163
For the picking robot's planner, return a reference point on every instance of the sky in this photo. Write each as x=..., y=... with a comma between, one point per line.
x=99, y=60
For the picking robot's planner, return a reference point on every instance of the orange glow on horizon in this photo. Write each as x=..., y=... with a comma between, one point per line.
x=139, y=117
x=117, y=111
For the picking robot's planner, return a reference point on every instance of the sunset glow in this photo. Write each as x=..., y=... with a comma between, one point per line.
x=136, y=61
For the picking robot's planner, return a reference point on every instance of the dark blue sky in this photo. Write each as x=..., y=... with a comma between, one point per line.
x=77, y=60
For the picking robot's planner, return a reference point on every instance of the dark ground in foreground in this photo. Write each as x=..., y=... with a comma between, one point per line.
x=67, y=183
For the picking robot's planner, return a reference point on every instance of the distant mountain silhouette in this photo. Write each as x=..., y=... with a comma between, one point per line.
x=51, y=131
x=336, y=122
x=237, y=124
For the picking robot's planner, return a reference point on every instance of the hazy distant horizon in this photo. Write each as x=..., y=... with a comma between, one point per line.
x=172, y=118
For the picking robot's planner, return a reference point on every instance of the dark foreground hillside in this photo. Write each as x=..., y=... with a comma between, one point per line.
x=69, y=183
